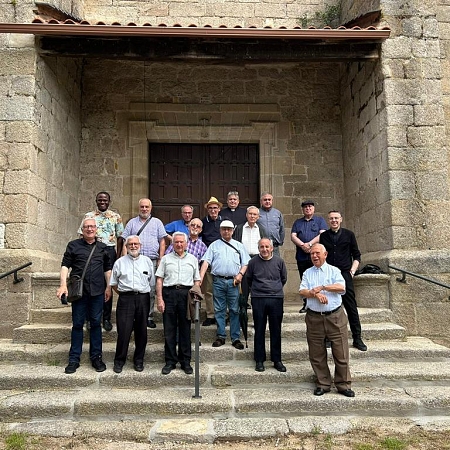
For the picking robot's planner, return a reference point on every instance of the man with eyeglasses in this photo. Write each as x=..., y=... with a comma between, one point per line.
x=95, y=293
x=210, y=234
x=182, y=224
x=195, y=245
x=153, y=244
x=343, y=252
x=109, y=231
x=233, y=211
x=273, y=221
x=304, y=234
x=133, y=279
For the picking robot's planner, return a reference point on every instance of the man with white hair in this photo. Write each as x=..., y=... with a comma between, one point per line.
x=133, y=279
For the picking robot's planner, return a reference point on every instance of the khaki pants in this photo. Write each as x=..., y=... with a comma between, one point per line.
x=334, y=328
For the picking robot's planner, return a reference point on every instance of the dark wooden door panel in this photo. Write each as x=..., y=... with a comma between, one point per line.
x=192, y=173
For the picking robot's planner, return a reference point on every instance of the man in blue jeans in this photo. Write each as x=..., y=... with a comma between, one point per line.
x=95, y=293
x=228, y=260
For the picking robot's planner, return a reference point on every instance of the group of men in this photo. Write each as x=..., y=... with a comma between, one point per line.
x=231, y=250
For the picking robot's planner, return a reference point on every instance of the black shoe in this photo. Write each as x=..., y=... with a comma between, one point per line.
x=279, y=366
x=117, y=368
x=107, y=325
x=259, y=367
x=218, y=342
x=320, y=391
x=98, y=364
x=72, y=367
x=208, y=322
x=138, y=367
x=359, y=344
x=347, y=393
x=249, y=306
x=238, y=344
x=327, y=343
x=168, y=368
x=303, y=310
x=151, y=323
x=188, y=370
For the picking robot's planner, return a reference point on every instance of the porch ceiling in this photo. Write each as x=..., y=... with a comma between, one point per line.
x=219, y=44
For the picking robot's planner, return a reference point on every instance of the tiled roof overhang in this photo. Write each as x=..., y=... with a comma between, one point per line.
x=70, y=28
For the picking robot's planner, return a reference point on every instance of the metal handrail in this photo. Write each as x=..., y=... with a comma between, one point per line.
x=404, y=272
x=14, y=271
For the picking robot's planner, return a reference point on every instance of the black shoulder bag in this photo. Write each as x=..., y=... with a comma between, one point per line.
x=75, y=284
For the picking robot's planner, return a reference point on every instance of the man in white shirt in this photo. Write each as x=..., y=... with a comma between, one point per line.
x=133, y=279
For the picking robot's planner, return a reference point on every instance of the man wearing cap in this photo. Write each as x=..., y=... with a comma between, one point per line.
x=233, y=211
x=304, y=234
x=228, y=260
x=272, y=220
x=210, y=233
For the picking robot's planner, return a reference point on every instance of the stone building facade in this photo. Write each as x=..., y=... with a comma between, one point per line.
x=365, y=135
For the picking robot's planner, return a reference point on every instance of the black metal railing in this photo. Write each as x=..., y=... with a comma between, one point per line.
x=14, y=271
x=416, y=275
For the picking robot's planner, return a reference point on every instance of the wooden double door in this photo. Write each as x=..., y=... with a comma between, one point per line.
x=192, y=173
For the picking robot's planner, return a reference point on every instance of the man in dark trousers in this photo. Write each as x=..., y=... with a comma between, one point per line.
x=95, y=293
x=343, y=252
x=266, y=275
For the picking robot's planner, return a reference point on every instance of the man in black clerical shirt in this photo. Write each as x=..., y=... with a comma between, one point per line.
x=343, y=252
x=233, y=211
x=95, y=293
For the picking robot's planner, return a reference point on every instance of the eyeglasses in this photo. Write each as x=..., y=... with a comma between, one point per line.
x=89, y=226
x=133, y=244
x=194, y=225
x=213, y=207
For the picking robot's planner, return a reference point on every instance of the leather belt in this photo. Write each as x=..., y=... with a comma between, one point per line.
x=132, y=293
x=177, y=286
x=221, y=276
x=324, y=313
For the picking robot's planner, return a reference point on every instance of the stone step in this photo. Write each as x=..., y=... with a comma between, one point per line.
x=56, y=354
x=38, y=333
x=157, y=399
x=62, y=315
x=236, y=370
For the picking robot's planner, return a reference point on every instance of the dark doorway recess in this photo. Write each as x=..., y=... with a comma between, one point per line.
x=192, y=173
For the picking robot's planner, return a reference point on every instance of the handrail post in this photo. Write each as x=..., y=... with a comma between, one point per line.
x=16, y=279
x=403, y=278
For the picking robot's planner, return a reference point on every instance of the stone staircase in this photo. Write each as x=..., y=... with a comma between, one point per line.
x=399, y=377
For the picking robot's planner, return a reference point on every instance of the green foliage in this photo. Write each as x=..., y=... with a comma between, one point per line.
x=321, y=19
x=393, y=444
x=14, y=3
x=16, y=441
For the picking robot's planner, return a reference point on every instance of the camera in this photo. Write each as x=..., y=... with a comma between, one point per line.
x=64, y=299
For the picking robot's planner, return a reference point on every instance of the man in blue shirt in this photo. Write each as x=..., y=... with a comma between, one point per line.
x=228, y=260
x=182, y=224
x=305, y=232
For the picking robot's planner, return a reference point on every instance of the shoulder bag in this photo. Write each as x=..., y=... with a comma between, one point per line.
x=75, y=283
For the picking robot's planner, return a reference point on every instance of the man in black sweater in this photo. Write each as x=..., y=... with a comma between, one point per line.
x=343, y=253
x=266, y=275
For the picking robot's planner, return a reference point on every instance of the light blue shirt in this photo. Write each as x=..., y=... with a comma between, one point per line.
x=318, y=276
x=133, y=274
x=224, y=260
x=150, y=235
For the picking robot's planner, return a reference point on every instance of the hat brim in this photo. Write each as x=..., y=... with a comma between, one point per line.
x=213, y=203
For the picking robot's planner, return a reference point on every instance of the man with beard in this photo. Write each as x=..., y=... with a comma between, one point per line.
x=95, y=292
x=323, y=285
x=133, y=279
x=152, y=235
x=109, y=231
